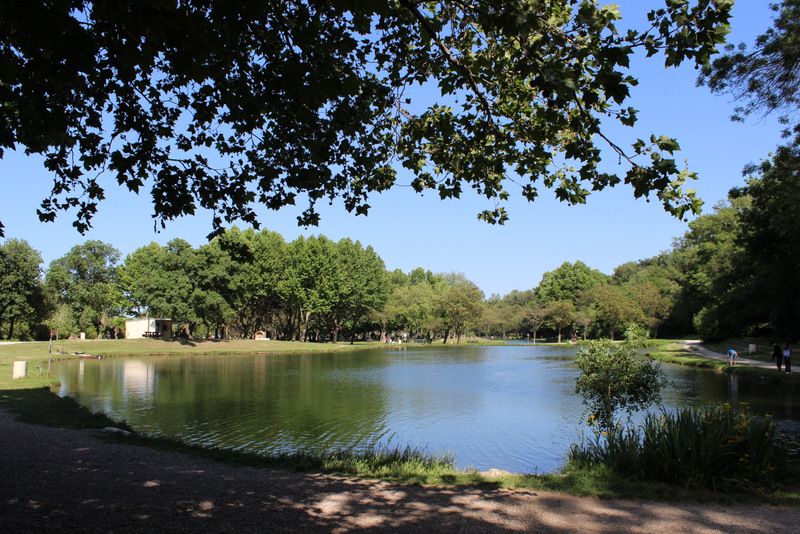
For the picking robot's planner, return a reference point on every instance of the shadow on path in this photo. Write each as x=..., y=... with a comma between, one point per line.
x=71, y=481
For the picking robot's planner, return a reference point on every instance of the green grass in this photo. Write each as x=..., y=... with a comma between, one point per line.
x=676, y=353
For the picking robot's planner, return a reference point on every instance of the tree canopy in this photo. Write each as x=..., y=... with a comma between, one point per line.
x=21, y=292
x=85, y=280
x=763, y=78
x=613, y=377
x=749, y=246
x=230, y=105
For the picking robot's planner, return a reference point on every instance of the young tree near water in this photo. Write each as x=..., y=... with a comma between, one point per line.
x=614, y=377
x=230, y=105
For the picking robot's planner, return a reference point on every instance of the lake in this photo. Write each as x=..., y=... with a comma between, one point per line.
x=511, y=407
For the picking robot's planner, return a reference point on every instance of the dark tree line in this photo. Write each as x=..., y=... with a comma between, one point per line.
x=231, y=105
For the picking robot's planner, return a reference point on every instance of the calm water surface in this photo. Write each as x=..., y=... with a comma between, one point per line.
x=511, y=407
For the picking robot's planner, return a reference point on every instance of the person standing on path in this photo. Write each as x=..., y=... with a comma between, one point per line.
x=732, y=355
x=777, y=355
x=787, y=357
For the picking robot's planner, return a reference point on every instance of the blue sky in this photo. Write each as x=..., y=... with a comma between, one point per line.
x=410, y=231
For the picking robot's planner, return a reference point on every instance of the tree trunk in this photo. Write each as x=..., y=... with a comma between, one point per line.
x=304, y=318
x=383, y=331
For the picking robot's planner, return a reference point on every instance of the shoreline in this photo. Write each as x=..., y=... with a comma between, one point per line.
x=72, y=480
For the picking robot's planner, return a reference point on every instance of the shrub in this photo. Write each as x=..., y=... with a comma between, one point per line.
x=719, y=447
x=614, y=377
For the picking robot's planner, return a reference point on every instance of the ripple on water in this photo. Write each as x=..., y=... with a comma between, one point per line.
x=513, y=408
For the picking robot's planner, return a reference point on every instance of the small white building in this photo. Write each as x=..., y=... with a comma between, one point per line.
x=148, y=327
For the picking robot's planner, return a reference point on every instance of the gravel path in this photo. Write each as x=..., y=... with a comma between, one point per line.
x=70, y=481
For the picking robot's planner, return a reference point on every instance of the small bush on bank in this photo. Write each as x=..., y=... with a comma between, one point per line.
x=722, y=447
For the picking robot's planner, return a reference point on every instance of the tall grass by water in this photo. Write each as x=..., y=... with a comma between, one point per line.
x=403, y=463
x=722, y=447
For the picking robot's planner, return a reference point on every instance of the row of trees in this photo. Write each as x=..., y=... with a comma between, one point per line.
x=310, y=289
x=245, y=281
x=736, y=271
x=239, y=283
x=316, y=289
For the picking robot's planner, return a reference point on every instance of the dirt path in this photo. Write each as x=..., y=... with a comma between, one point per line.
x=70, y=481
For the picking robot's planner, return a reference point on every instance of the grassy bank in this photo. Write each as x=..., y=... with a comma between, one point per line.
x=676, y=353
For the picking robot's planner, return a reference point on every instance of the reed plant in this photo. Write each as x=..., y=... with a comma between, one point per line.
x=720, y=447
x=375, y=461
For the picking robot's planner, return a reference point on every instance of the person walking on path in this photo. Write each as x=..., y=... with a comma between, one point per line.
x=787, y=357
x=732, y=355
x=777, y=355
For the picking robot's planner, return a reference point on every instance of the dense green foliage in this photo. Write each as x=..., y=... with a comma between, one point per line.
x=733, y=273
x=721, y=447
x=247, y=281
x=757, y=236
x=613, y=378
x=227, y=105
x=23, y=302
x=85, y=282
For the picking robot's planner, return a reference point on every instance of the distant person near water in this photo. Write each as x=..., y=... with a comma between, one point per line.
x=787, y=357
x=777, y=355
x=732, y=356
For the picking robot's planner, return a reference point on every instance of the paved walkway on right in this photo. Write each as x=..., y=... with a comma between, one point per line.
x=697, y=347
